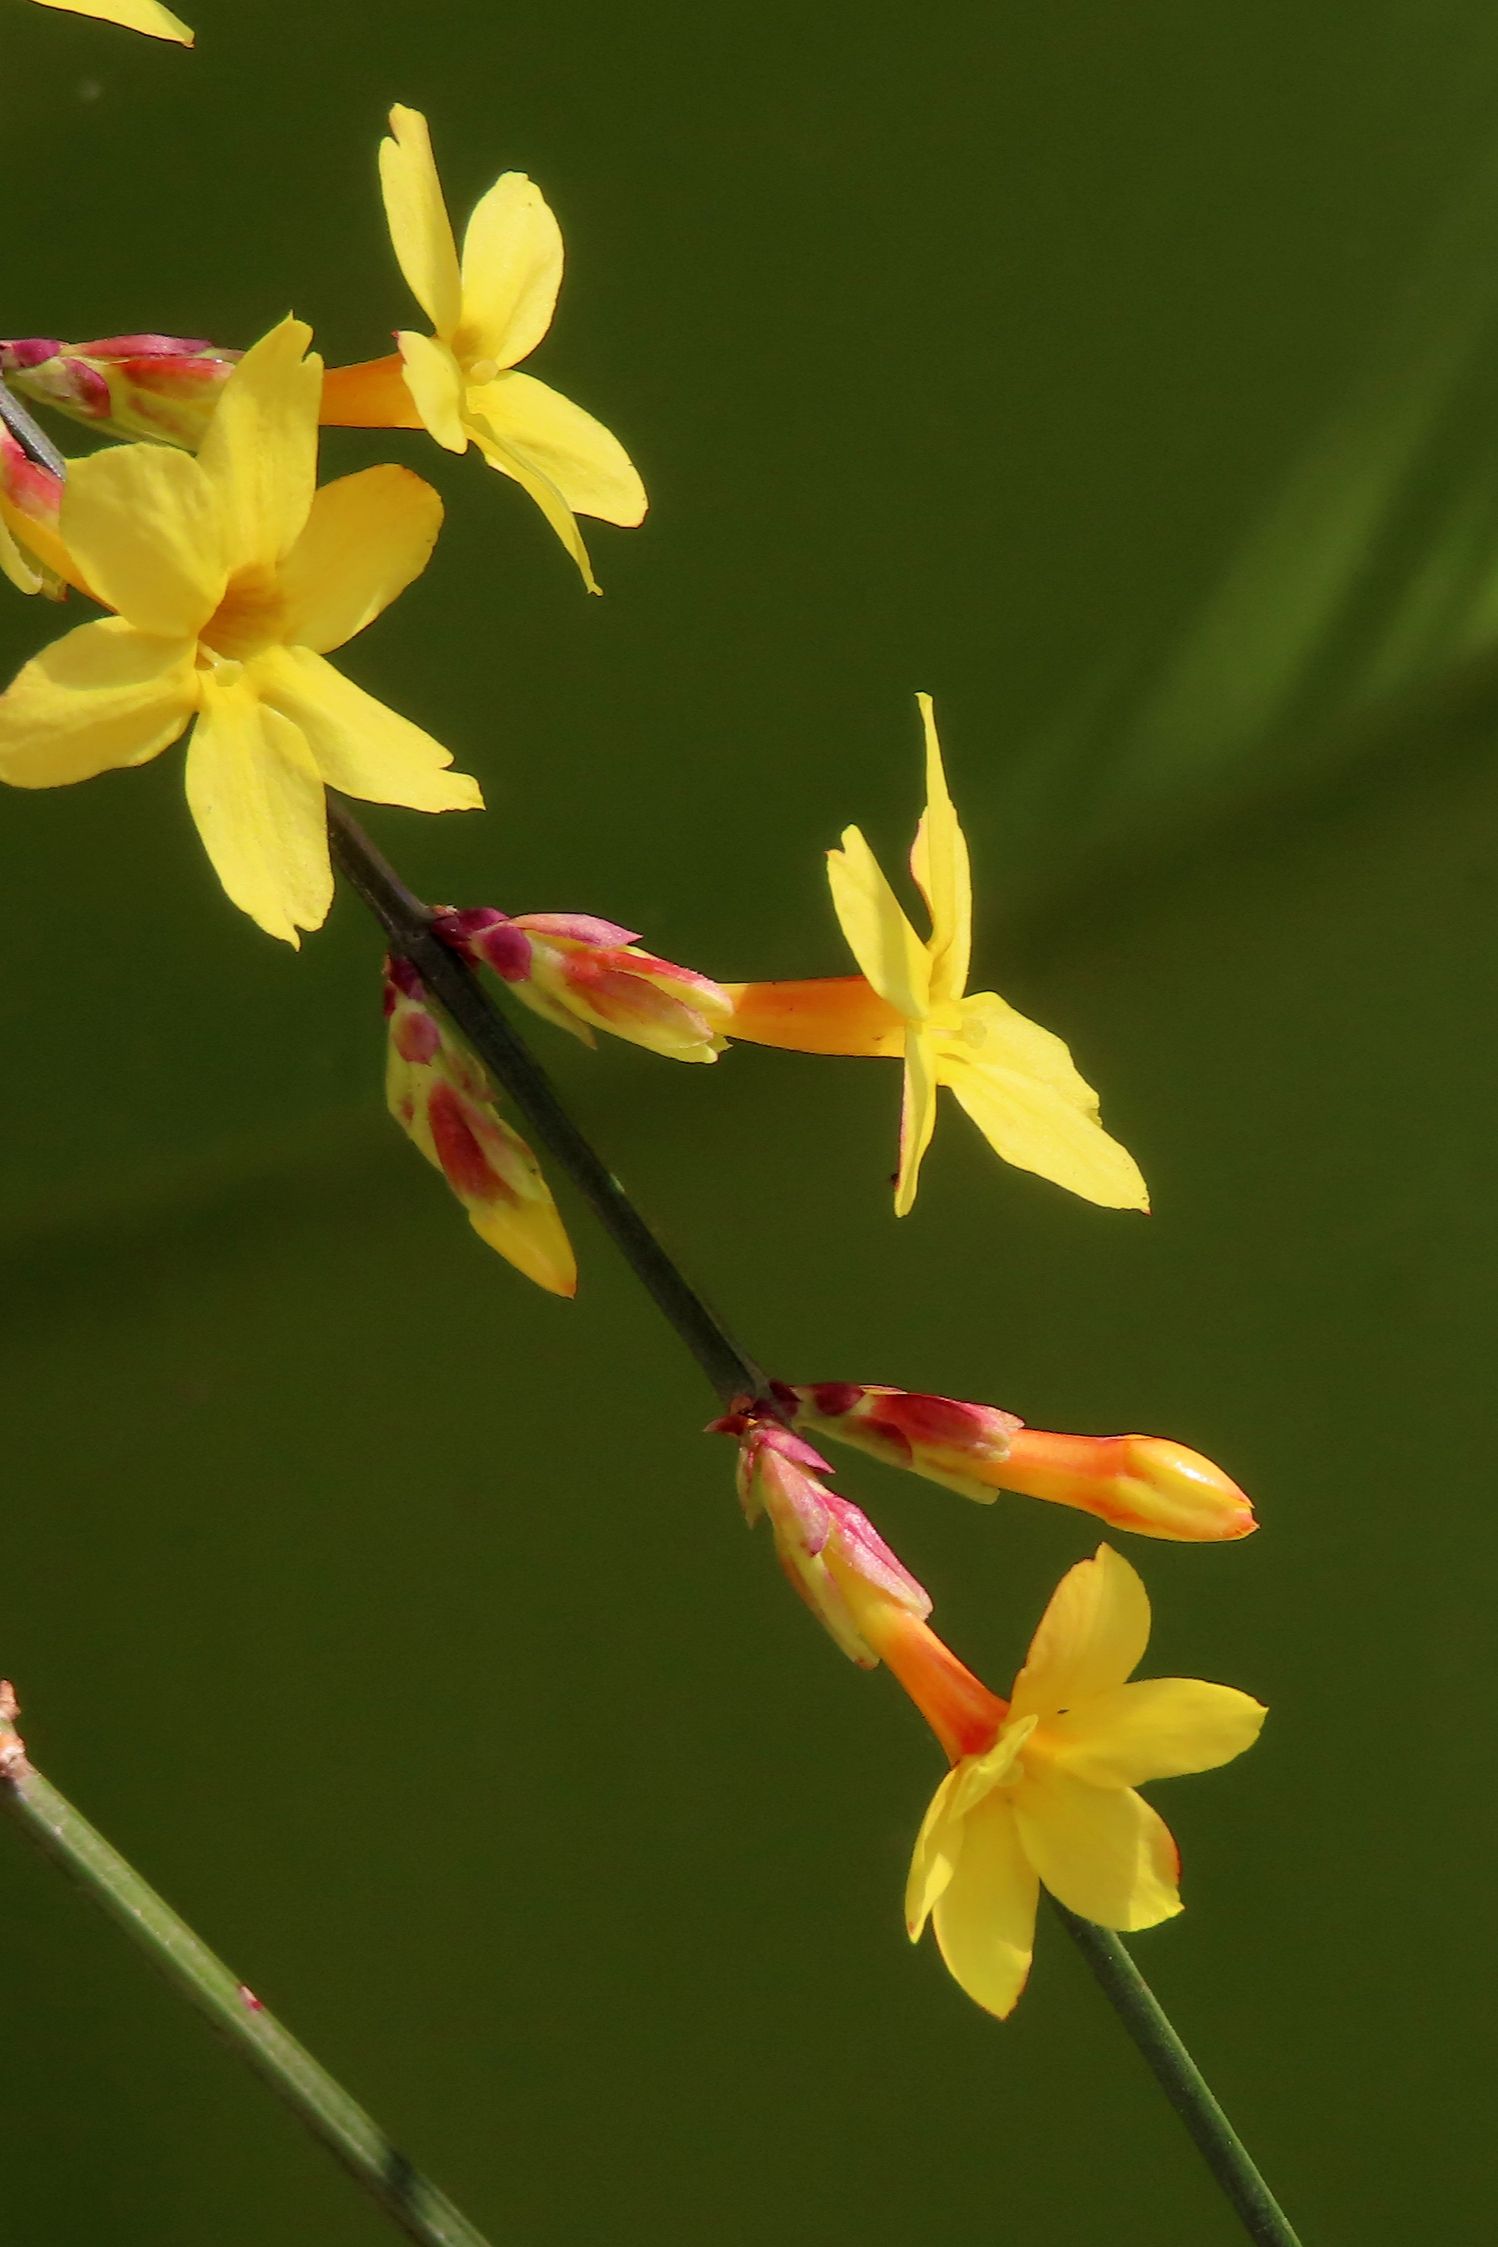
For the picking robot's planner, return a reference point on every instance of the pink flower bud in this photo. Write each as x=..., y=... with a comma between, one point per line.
x=159, y=386
x=831, y=1553
x=1143, y=1483
x=586, y=974
x=445, y=1105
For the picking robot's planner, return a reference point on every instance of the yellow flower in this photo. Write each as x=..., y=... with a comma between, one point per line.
x=136, y=15
x=1016, y=1080
x=232, y=576
x=1041, y=1793
x=488, y=313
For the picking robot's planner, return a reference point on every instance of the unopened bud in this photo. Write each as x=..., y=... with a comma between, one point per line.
x=585, y=974
x=159, y=386
x=445, y=1104
x=31, y=547
x=827, y=1548
x=1144, y=1483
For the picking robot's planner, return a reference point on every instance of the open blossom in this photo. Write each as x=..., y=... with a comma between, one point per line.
x=160, y=386
x=444, y=1103
x=585, y=974
x=136, y=15
x=1016, y=1080
x=489, y=312
x=1041, y=1790
x=821, y=1539
x=232, y=576
x=1144, y=1483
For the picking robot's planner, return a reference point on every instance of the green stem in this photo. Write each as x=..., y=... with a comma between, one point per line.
x=407, y=923
x=1181, y=2080
x=32, y=439
x=335, y=2119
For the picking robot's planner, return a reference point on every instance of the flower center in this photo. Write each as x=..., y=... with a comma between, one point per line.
x=250, y=616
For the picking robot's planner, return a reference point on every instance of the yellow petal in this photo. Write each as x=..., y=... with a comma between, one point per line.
x=917, y=1118
x=585, y=461
x=367, y=537
x=985, y=1923
x=418, y=221
x=435, y=381
x=260, y=452
x=879, y=936
x=136, y=15
x=512, y=461
x=512, y=269
x=822, y=1014
x=257, y=798
x=1005, y=1071
x=357, y=744
x=1091, y=1636
x=938, y=1847
x=1156, y=1728
x=102, y=696
x=1102, y=1851
x=15, y=564
x=939, y=863
x=143, y=524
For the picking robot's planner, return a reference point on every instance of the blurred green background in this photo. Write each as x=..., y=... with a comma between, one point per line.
x=1126, y=377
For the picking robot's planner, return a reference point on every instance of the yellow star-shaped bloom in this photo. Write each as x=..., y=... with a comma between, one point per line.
x=231, y=577
x=136, y=15
x=489, y=312
x=1014, y=1079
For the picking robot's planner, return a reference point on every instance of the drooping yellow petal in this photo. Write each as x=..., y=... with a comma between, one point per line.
x=257, y=798
x=511, y=460
x=1156, y=1728
x=1091, y=1636
x=144, y=525
x=367, y=537
x=103, y=695
x=585, y=461
x=357, y=744
x=512, y=269
x=435, y=382
x=917, y=1117
x=985, y=1922
x=822, y=1014
x=939, y=862
x=418, y=221
x=879, y=936
x=136, y=15
x=260, y=452
x=1028, y=1119
x=1102, y=1851
x=938, y=1846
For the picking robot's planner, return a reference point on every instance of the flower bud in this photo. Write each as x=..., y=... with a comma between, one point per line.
x=827, y=1548
x=445, y=1104
x=1143, y=1483
x=585, y=974
x=31, y=546
x=158, y=386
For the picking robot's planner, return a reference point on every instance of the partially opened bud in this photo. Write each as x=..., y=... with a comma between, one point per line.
x=31, y=548
x=585, y=974
x=445, y=1104
x=831, y=1553
x=159, y=386
x=1143, y=1483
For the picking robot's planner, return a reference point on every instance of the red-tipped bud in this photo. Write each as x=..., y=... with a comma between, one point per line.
x=445, y=1105
x=831, y=1552
x=31, y=548
x=1143, y=1483
x=585, y=974
x=159, y=386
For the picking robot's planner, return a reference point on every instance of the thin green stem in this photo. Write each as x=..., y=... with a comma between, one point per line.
x=407, y=923
x=1181, y=2080
x=335, y=2119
